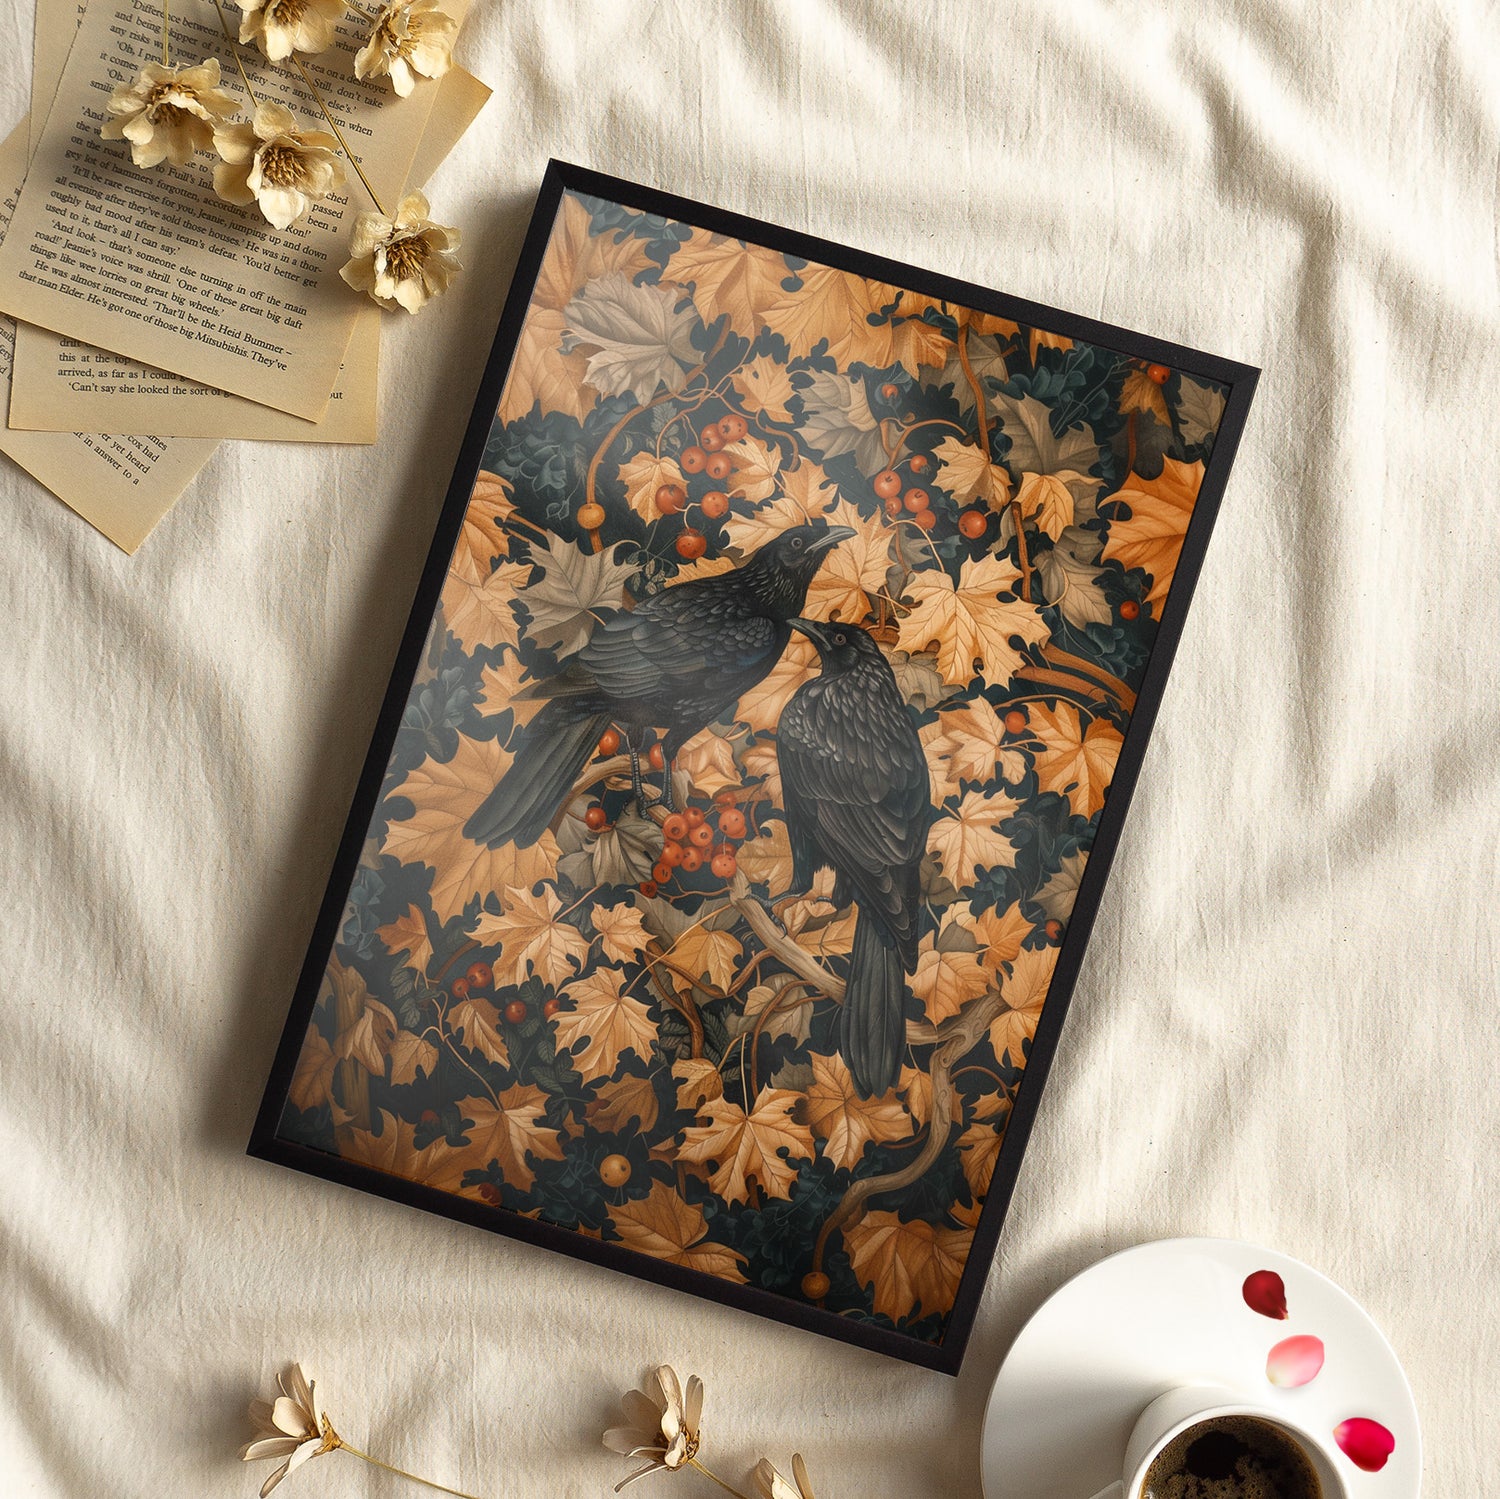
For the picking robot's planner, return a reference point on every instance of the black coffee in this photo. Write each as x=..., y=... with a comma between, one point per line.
x=1232, y=1457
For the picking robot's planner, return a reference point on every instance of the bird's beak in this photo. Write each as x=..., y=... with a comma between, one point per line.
x=815, y=632
x=830, y=539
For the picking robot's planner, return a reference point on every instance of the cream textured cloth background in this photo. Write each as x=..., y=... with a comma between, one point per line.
x=1285, y=1030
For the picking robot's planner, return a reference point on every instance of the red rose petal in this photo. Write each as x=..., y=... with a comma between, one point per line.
x=1367, y=1444
x=1295, y=1361
x=1264, y=1293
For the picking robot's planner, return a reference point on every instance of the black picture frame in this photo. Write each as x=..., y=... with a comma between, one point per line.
x=1240, y=379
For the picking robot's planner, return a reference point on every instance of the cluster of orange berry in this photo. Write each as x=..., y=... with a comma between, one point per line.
x=481, y=977
x=903, y=498
x=706, y=457
x=694, y=837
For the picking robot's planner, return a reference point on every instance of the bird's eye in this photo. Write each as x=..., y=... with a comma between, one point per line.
x=841, y=639
x=796, y=543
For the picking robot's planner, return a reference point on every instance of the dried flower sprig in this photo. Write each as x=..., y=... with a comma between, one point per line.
x=295, y=1428
x=167, y=113
x=769, y=1484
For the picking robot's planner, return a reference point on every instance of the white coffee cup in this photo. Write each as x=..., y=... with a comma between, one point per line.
x=1169, y=1415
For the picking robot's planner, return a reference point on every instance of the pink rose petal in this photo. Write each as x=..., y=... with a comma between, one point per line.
x=1295, y=1361
x=1264, y=1293
x=1367, y=1444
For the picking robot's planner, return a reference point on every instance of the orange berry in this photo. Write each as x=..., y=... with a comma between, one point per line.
x=695, y=817
x=670, y=498
x=655, y=758
x=614, y=1171
x=490, y=1192
x=927, y=519
x=692, y=860
x=551, y=1008
x=480, y=976
x=609, y=742
x=1054, y=930
x=702, y=836
x=595, y=818
x=917, y=500
x=919, y=462
x=591, y=517
x=710, y=439
x=675, y=827
x=671, y=856
x=733, y=427
x=718, y=468
x=886, y=483
x=1129, y=609
x=691, y=545
x=732, y=824
x=815, y=1285
x=1158, y=372
x=723, y=865
x=715, y=504
x=693, y=460
x=889, y=392
x=647, y=888
x=460, y=988
x=972, y=524
x=662, y=873
x=893, y=506
x=1016, y=720
x=516, y=1011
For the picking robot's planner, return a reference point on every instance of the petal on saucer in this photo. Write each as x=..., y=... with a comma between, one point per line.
x=1295, y=1361
x=1367, y=1444
x=1264, y=1293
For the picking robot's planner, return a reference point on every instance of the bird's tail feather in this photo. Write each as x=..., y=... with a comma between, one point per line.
x=554, y=748
x=873, y=1025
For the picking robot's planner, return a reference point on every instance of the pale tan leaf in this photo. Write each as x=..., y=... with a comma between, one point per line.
x=629, y=1104
x=728, y=276
x=968, y=839
x=510, y=1134
x=946, y=979
x=835, y=306
x=312, y=1082
x=665, y=1227
x=708, y=760
x=407, y=936
x=967, y=474
x=698, y=1082
x=531, y=937
x=916, y=1088
x=393, y=1150
x=978, y=1150
x=1078, y=763
x=621, y=934
x=482, y=539
x=1047, y=501
x=764, y=385
x=1141, y=393
x=972, y=625
x=913, y=1268
x=411, y=1054
x=642, y=476
x=707, y=953
x=845, y=1121
x=756, y=465
x=767, y=860
x=1160, y=510
x=761, y=707
x=368, y=1041
x=476, y=1024
x=1025, y=990
x=735, y=1149
x=853, y=570
x=599, y=1013
x=541, y=375
x=502, y=685
x=479, y=613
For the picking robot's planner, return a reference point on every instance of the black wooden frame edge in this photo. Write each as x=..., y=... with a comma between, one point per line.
x=264, y=1144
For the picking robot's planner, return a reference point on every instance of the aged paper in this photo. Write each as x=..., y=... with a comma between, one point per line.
x=63, y=385
x=151, y=265
x=120, y=485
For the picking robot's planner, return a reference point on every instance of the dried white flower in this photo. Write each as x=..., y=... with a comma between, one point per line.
x=274, y=164
x=769, y=1484
x=291, y=1428
x=662, y=1427
x=410, y=38
x=402, y=262
x=281, y=27
x=168, y=113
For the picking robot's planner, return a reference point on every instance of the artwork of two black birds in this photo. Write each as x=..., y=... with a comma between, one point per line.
x=855, y=779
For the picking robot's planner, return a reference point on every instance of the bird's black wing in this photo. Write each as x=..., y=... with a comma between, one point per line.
x=862, y=791
x=677, y=637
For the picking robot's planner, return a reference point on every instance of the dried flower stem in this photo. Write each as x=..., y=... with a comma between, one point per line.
x=317, y=94
x=402, y=1473
x=166, y=26
x=234, y=48
x=707, y=1473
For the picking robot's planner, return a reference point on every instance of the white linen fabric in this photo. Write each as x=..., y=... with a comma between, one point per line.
x=1285, y=1029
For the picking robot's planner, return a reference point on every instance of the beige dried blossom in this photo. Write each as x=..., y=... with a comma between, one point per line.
x=661, y=1426
x=769, y=1484
x=168, y=113
x=272, y=163
x=292, y=1428
x=404, y=261
x=410, y=39
x=281, y=27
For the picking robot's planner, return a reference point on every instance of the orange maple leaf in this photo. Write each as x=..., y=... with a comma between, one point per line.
x=845, y=1121
x=968, y=839
x=912, y=1267
x=664, y=1226
x=978, y=1150
x=476, y=1024
x=530, y=934
x=1077, y=762
x=608, y=1020
x=510, y=1133
x=312, y=1082
x=735, y=1148
x=407, y=936
x=1025, y=991
x=1160, y=510
x=729, y=276
x=972, y=624
x=836, y=306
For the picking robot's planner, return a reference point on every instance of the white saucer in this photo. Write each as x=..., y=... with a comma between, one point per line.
x=1171, y=1313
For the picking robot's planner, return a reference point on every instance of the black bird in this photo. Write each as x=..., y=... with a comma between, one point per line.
x=858, y=799
x=677, y=662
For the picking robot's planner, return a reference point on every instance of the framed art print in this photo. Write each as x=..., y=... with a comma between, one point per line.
x=752, y=765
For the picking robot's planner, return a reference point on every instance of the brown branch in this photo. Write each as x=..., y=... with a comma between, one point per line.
x=955, y=1038
x=685, y=1008
x=980, y=412
x=774, y=939
x=1081, y=668
x=1021, y=551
